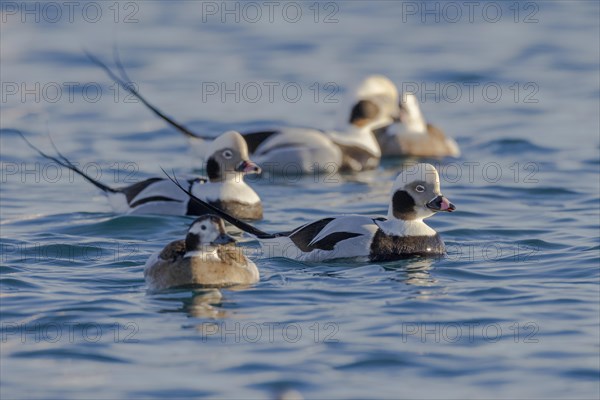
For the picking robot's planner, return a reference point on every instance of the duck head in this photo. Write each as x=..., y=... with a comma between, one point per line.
x=416, y=194
x=228, y=158
x=206, y=231
x=376, y=103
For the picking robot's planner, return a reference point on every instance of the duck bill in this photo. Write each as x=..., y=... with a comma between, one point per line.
x=223, y=239
x=440, y=203
x=248, y=167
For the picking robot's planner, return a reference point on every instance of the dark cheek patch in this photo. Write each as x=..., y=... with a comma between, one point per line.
x=403, y=205
x=364, y=109
x=192, y=242
x=212, y=169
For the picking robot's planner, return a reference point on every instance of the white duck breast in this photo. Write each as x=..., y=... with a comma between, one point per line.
x=224, y=188
x=415, y=196
x=232, y=196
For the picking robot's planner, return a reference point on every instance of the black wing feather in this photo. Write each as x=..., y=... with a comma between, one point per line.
x=133, y=190
x=329, y=241
x=152, y=199
x=303, y=236
x=255, y=139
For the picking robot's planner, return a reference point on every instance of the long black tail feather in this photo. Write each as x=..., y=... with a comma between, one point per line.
x=133, y=91
x=64, y=162
x=117, y=59
x=214, y=210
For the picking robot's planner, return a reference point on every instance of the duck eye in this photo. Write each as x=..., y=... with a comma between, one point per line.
x=420, y=188
x=228, y=154
x=203, y=227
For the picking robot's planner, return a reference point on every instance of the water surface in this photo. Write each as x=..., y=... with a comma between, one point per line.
x=511, y=312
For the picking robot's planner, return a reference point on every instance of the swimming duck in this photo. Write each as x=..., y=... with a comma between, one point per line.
x=206, y=257
x=413, y=137
x=415, y=195
x=224, y=186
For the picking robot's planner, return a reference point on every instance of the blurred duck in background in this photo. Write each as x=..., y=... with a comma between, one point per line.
x=306, y=150
x=413, y=137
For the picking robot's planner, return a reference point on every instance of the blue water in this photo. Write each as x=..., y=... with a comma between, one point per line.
x=512, y=311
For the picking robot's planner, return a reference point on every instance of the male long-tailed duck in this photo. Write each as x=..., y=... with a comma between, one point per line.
x=224, y=186
x=413, y=136
x=307, y=150
x=352, y=148
x=206, y=257
x=415, y=196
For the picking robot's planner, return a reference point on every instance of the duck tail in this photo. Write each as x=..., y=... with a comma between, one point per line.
x=127, y=85
x=63, y=161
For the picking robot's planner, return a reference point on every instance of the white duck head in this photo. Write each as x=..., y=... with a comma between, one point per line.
x=416, y=194
x=228, y=158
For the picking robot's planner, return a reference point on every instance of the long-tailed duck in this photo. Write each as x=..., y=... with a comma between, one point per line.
x=206, y=257
x=224, y=186
x=306, y=150
x=413, y=137
x=415, y=196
